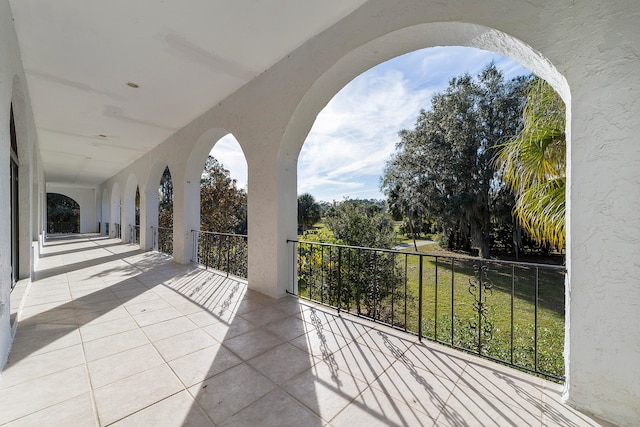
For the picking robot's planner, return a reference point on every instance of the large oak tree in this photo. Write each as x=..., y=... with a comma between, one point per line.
x=443, y=169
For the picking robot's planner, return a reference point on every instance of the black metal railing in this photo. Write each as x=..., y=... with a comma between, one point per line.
x=162, y=239
x=134, y=234
x=511, y=312
x=63, y=227
x=221, y=251
x=116, y=232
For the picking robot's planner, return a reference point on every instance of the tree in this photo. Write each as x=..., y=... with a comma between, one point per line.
x=353, y=277
x=165, y=200
x=63, y=214
x=309, y=212
x=359, y=223
x=443, y=169
x=533, y=165
x=223, y=206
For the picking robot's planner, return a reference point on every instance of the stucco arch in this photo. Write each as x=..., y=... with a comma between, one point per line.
x=149, y=203
x=106, y=212
x=397, y=43
x=201, y=149
x=378, y=48
x=390, y=45
x=115, y=208
x=129, y=206
x=195, y=164
x=85, y=197
x=50, y=228
x=188, y=195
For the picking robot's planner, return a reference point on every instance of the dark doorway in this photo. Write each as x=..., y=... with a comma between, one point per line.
x=15, y=236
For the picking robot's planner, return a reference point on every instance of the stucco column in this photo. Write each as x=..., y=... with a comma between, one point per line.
x=148, y=216
x=25, y=212
x=272, y=219
x=603, y=343
x=186, y=216
x=115, y=210
x=128, y=216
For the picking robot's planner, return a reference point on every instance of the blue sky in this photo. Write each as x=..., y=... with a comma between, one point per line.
x=352, y=137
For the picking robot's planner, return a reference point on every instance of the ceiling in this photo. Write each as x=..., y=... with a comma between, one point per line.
x=185, y=56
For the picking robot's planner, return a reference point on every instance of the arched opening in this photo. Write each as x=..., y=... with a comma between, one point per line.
x=164, y=232
x=131, y=211
x=14, y=201
x=106, y=213
x=116, y=213
x=223, y=196
x=222, y=238
x=63, y=214
x=445, y=325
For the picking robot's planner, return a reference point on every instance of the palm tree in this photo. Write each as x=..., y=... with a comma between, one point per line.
x=533, y=166
x=308, y=211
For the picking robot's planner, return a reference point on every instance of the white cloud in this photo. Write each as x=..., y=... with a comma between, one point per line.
x=356, y=132
x=353, y=136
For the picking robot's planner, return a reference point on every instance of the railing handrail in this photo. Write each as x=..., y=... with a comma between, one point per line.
x=161, y=228
x=223, y=251
x=393, y=288
x=216, y=233
x=454, y=257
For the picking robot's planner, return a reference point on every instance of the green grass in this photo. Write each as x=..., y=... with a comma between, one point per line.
x=506, y=297
x=509, y=288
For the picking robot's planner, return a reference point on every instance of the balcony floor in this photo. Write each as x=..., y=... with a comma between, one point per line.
x=109, y=335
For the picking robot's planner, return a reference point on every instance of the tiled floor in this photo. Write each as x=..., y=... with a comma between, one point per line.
x=112, y=336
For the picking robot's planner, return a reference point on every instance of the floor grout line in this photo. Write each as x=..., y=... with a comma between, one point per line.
x=394, y=352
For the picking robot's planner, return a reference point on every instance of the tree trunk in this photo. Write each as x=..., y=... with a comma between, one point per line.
x=484, y=246
x=413, y=234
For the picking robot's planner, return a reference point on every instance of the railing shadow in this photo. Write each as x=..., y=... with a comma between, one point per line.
x=66, y=239
x=259, y=361
x=233, y=364
x=52, y=324
x=70, y=268
x=73, y=251
x=241, y=383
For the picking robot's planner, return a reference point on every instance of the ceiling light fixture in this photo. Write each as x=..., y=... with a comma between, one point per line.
x=133, y=85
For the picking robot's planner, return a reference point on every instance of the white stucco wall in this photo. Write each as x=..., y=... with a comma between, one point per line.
x=13, y=89
x=589, y=51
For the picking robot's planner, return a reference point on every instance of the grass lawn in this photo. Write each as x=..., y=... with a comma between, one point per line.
x=447, y=293
x=450, y=309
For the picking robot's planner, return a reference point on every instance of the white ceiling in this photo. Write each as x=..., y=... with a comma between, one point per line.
x=185, y=55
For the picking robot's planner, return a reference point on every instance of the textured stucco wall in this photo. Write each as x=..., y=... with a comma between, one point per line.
x=13, y=89
x=589, y=51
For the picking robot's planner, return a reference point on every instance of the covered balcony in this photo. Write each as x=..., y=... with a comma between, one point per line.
x=111, y=335
x=98, y=98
